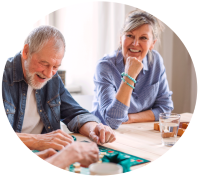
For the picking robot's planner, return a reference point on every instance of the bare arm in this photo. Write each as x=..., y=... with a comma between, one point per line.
x=144, y=116
x=27, y=139
x=56, y=140
x=132, y=68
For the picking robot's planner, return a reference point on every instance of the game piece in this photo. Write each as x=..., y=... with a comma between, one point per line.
x=110, y=151
x=101, y=156
x=77, y=170
x=132, y=160
x=180, y=131
x=76, y=165
x=127, y=156
x=184, y=125
x=156, y=126
x=99, y=161
x=103, y=153
x=139, y=160
x=167, y=134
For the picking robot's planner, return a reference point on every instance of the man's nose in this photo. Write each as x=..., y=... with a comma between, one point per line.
x=49, y=72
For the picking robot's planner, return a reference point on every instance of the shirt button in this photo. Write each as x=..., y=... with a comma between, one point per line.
x=7, y=109
x=49, y=127
x=36, y=92
x=40, y=110
x=59, y=102
x=24, y=94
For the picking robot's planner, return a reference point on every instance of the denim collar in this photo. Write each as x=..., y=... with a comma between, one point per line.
x=120, y=62
x=17, y=68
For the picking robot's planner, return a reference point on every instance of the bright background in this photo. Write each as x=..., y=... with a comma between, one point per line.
x=93, y=29
x=17, y=20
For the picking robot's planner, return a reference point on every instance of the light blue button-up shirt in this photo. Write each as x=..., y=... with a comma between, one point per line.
x=151, y=90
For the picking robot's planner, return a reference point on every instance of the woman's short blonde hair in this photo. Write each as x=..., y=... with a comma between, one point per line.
x=137, y=18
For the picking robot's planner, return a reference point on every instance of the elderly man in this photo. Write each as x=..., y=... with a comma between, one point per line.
x=36, y=100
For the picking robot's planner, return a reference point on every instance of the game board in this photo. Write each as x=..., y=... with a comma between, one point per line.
x=133, y=159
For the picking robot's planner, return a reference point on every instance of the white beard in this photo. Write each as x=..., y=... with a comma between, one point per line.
x=30, y=77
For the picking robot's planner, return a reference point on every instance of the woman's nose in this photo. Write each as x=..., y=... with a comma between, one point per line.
x=135, y=42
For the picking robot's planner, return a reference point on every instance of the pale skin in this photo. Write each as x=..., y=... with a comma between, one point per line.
x=84, y=153
x=135, y=46
x=46, y=63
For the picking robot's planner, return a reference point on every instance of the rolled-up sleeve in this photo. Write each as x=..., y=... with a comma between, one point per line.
x=76, y=123
x=111, y=110
x=72, y=114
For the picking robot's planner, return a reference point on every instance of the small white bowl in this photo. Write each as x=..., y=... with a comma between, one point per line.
x=105, y=169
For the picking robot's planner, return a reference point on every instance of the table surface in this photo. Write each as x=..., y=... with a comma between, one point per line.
x=139, y=139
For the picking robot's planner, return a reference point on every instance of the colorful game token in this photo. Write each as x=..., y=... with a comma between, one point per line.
x=103, y=153
x=110, y=151
x=139, y=160
x=101, y=156
x=77, y=170
x=76, y=165
x=132, y=160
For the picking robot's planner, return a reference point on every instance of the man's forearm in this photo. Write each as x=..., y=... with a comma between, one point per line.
x=27, y=139
x=87, y=128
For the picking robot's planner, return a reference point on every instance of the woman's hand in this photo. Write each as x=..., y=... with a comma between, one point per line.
x=133, y=66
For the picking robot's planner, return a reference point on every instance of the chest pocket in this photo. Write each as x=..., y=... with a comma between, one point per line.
x=148, y=95
x=54, y=104
x=10, y=111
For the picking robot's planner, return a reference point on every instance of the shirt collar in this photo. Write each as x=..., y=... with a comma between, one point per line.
x=120, y=62
x=17, y=68
x=145, y=64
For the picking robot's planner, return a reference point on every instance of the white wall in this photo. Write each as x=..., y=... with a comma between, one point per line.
x=92, y=30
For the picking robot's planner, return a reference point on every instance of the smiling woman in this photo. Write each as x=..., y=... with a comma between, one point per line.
x=118, y=98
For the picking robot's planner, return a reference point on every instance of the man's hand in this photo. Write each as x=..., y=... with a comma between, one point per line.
x=102, y=134
x=56, y=140
x=84, y=153
x=46, y=153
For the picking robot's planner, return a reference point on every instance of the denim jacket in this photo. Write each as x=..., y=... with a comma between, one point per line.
x=54, y=102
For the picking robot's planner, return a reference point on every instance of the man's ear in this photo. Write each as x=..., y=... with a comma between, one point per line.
x=152, y=45
x=25, y=52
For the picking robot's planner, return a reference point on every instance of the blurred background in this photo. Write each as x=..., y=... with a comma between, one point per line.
x=92, y=30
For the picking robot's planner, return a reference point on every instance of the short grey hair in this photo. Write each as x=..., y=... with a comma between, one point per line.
x=138, y=18
x=41, y=35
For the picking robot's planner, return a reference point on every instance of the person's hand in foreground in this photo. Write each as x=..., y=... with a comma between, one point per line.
x=84, y=153
x=98, y=132
x=56, y=140
x=46, y=153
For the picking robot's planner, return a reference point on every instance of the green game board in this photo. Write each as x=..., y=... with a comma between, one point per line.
x=133, y=159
